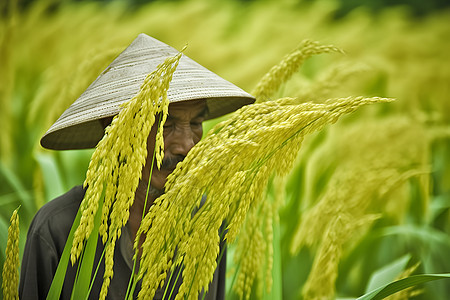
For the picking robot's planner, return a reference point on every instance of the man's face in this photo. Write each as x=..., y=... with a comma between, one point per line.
x=182, y=130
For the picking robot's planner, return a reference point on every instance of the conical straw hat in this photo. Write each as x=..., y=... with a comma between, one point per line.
x=79, y=126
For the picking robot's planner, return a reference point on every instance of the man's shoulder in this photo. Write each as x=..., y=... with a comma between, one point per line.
x=58, y=214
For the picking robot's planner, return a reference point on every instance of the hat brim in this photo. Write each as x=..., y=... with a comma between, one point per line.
x=87, y=134
x=79, y=126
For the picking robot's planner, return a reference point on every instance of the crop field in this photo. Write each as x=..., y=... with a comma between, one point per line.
x=363, y=202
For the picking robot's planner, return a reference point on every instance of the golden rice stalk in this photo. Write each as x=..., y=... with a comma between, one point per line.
x=232, y=166
x=347, y=193
x=281, y=72
x=10, y=284
x=268, y=212
x=322, y=278
x=249, y=253
x=330, y=83
x=255, y=246
x=342, y=209
x=362, y=183
x=116, y=165
x=377, y=166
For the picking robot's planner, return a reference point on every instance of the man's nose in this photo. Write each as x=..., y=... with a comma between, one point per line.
x=183, y=140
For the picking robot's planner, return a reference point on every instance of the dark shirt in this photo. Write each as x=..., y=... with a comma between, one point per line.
x=45, y=243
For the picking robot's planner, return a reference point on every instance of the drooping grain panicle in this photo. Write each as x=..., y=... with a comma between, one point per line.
x=232, y=165
x=398, y=152
x=329, y=83
x=10, y=283
x=283, y=71
x=250, y=252
x=116, y=165
x=322, y=278
x=373, y=180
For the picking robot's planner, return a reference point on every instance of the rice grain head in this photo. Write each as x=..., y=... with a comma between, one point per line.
x=321, y=280
x=360, y=189
x=281, y=72
x=232, y=166
x=249, y=240
x=10, y=273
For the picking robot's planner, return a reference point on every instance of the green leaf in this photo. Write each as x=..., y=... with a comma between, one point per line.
x=387, y=273
x=7, y=199
x=52, y=176
x=439, y=204
x=73, y=165
x=83, y=279
x=60, y=274
x=3, y=236
x=19, y=189
x=401, y=284
x=425, y=234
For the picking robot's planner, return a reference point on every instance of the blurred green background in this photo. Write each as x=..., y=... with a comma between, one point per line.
x=383, y=168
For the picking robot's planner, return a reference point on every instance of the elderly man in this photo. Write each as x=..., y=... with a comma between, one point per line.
x=195, y=94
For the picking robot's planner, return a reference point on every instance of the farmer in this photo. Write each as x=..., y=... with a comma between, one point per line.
x=195, y=94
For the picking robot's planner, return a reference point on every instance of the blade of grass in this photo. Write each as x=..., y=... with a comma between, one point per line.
x=175, y=283
x=387, y=273
x=8, y=199
x=83, y=278
x=168, y=283
x=25, y=197
x=54, y=185
x=396, y=286
x=73, y=165
x=3, y=236
x=60, y=274
x=425, y=234
x=96, y=270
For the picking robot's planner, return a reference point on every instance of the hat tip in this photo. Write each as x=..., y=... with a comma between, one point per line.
x=142, y=35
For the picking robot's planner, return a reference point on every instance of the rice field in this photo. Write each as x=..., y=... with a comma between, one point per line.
x=367, y=200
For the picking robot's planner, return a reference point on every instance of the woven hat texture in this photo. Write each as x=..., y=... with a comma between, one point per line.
x=79, y=127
